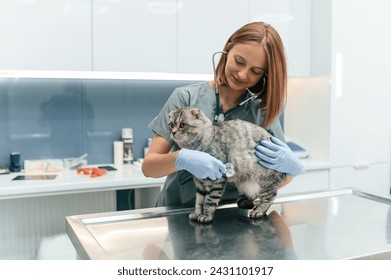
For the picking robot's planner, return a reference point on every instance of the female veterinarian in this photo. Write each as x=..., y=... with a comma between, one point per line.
x=250, y=84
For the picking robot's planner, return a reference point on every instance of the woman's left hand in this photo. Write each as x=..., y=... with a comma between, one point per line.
x=276, y=155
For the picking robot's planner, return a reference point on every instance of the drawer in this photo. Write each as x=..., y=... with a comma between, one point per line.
x=312, y=180
x=373, y=178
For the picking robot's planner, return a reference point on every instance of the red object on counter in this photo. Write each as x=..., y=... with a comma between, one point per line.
x=94, y=171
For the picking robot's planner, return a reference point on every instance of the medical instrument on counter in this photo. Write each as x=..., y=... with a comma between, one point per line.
x=219, y=115
x=73, y=163
x=127, y=139
x=230, y=169
x=4, y=170
x=297, y=149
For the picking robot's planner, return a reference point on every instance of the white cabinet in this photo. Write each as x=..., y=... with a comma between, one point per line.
x=360, y=94
x=308, y=181
x=373, y=178
x=357, y=117
x=45, y=35
x=292, y=20
x=199, y=39
x=177, y=36
x=203, y=28
x=135, y=36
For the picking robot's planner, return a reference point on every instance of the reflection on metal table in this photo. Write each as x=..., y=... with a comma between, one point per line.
x=338, y=224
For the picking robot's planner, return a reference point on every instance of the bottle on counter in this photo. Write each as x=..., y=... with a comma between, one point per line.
x=15, y=162
x=147, y=147
x=118, y=154
x=127, y=139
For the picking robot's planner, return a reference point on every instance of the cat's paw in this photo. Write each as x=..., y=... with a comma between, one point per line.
x=258, y=221
x=199, y=226
x=256, y=213
x=201, y=218
x=193, y=216
x=204, y=218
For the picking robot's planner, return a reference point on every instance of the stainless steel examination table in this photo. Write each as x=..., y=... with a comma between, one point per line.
x=339, y=224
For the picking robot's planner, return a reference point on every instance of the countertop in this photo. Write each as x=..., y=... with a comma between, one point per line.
x=334, y=224
x=68, y=181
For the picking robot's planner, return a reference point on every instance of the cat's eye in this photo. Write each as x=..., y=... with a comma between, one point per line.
x=171, y=125
x=182, y=125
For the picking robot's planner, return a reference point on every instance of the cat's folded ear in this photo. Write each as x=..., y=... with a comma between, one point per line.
x=196, y=112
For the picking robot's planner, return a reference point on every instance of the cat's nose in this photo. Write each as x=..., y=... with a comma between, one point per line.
x=173, y=133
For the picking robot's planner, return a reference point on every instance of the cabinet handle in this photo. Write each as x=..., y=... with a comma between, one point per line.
x=360, y=165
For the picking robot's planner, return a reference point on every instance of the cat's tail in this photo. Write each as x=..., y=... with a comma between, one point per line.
x=244, y=203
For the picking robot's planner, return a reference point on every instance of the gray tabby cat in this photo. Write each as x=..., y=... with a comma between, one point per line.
x=231, y=141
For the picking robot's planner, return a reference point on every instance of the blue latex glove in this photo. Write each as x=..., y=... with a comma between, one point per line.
x=276, y=155
x=200, y=164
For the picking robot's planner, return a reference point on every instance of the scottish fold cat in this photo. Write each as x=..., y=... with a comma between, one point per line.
x=231, y=142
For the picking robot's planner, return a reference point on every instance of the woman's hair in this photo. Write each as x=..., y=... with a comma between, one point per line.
x=271, y=88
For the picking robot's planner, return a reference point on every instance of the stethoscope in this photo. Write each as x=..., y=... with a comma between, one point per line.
x=219, y=115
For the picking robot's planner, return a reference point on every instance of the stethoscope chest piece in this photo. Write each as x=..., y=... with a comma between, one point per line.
x=230, y=169
x=218, y=119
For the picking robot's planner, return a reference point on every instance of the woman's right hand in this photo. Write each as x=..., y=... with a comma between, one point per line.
x=202, y=165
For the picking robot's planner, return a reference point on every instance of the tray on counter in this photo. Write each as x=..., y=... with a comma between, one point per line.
x=336, y=224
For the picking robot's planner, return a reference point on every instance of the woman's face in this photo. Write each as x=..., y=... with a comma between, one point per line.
x=246, y=64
